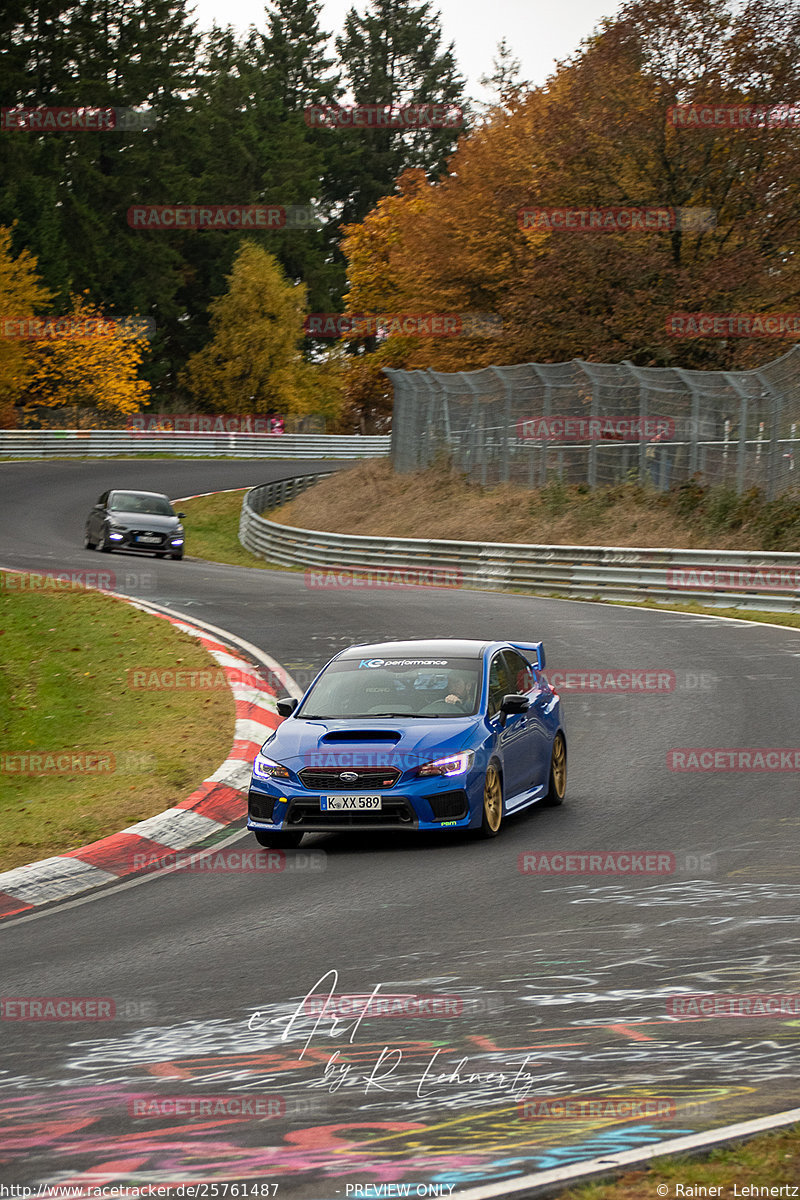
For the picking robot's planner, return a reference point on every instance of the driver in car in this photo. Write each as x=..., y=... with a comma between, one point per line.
x=459, y=693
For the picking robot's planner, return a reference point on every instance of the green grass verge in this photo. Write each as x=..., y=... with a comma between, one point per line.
x=771, y=1160
x=212, y=529
x=65, y=690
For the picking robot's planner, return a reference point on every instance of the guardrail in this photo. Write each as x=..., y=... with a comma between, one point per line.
x=270, y=495
x=717, y=578
x=81, y=443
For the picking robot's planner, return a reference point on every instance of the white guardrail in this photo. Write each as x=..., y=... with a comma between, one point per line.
x=104, y=443
x=716, y=578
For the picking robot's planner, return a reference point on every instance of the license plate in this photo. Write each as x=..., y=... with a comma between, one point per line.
x=148, y=537
x=350, y=803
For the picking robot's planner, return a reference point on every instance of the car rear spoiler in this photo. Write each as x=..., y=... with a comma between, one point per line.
x=532, y=649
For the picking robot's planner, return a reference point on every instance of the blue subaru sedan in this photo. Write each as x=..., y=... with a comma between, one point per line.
x=416, y=735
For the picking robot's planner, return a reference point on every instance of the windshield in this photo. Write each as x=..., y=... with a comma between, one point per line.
x=157, y=506
x=399, y=687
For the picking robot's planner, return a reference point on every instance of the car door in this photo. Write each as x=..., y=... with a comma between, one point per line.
x=97, y=516
x=510, y=731
x=535, y=744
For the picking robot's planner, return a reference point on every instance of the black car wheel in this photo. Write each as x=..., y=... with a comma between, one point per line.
x=558, y=773
x=87, y=541
x=104, y=543
x=178, y=556
x=277, y=841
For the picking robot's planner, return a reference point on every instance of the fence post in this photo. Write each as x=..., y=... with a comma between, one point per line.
x=774, y=451
x=505, y=465
x=740, y=465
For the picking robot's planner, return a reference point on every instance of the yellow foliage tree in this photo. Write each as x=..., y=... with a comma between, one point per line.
x=97, y=372
x=21, y=295
x=253, y=363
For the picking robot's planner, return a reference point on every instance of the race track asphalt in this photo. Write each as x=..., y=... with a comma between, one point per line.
x=561, y=982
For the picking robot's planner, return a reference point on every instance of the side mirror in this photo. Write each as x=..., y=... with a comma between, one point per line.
x=180, y=516
x=287, y=705
x=514, y=703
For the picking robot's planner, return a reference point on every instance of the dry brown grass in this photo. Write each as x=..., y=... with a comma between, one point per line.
x=371, y=499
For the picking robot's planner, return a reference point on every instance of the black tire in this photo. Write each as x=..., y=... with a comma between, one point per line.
x=177, y=556
x=558, y=773
x=492, y=819
x=88, y=543
x=104, y=543
x=277, y=841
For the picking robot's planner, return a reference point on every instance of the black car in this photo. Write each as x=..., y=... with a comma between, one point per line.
x=123, y=520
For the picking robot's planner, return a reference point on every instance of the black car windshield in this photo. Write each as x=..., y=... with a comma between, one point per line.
x=395, y=687
x=134, y=502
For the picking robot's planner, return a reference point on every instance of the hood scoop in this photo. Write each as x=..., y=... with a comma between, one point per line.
x=384, y=737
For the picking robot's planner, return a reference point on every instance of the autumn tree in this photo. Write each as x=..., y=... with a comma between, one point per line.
x=22, y=295
x=96, y=370
x=598, y=135
x=253, y=363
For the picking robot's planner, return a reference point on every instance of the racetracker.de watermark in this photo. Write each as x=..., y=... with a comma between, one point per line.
x=91, y=329
x=362, y=325
x=627, y=681
x=739, y=579
x=744, y=1004
x=591, y=1108
x=77, y=581
x=595, y=429
x=390, y=578
x=197, y=423
x=401, y=1004
x=57, y=762
x=229, y=861
x=244, y=1106
x=613, y=680
x=384, y=116
x=627, y=219
x=735, y=116
x=735, y=758
x=169, y=679
x=169, y=217
x=596, y=862
x=733, y=325
x=75, y=1008
x=75, y=119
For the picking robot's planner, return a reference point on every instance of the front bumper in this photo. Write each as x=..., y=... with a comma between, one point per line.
x=425, y=805
x=131, y=539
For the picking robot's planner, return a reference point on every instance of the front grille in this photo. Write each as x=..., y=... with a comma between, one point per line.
x=260, y=807
x=306, y=814
x=448, y=806
x=326, y=780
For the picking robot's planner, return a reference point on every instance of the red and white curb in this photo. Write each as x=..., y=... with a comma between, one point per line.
x=215, y=804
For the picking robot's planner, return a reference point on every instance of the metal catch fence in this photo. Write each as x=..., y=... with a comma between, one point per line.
x=603, y=424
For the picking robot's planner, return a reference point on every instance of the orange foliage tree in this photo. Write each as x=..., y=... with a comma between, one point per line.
x=598, y=136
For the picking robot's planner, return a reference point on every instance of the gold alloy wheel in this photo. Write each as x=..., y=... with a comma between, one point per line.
x=492, y=799
x=559, y=766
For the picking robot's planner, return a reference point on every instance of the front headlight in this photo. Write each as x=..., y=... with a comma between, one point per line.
x=455, y=764
x=266, y=768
